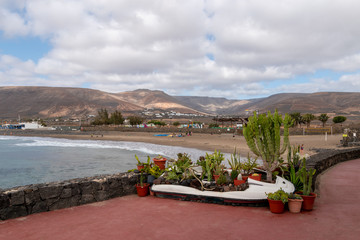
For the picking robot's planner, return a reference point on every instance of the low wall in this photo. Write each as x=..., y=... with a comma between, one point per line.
x=329, y=158
x=25, y=200
x=22, y=201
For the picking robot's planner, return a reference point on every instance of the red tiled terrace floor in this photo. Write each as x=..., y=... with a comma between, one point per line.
x=336, y=216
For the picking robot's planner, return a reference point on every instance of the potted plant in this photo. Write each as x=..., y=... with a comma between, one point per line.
x=142, y=188
x=306, y=179
x=218, y=170
x=160, y=161
x=277, y=201
x=234, y=161
x=295, y=203
x=155, y=172
x=141, y=165
x=221, y=180
x=248, y=168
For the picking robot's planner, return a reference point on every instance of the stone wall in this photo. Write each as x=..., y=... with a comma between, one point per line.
x=328, y=158
x=22, y=201
x=25, y=200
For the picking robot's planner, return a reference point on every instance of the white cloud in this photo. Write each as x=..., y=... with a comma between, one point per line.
x=120, y=45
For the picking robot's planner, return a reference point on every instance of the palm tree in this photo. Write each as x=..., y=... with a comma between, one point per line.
x=296, y=116
x=323, y=118
x=308, y=118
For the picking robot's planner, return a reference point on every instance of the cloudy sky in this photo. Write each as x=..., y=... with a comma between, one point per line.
x=234, y=49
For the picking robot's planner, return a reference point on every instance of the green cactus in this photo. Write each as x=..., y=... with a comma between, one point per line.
x=306, y=178
x=262, y=134
x=209, y=165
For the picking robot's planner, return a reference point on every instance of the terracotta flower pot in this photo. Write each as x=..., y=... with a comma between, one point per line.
x=256, y=177
x=308, y=203
x=139, y=167
x=160, y=162
x=142, y=190
x=276, y=206
x=238, y=182
x=245, y=177
x=295, y=205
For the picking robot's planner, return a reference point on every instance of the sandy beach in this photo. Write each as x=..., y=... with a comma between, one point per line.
x=224, y=142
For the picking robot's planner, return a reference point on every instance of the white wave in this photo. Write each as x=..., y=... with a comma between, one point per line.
x=148, y=148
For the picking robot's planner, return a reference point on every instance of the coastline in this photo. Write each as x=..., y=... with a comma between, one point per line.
x=225, y=143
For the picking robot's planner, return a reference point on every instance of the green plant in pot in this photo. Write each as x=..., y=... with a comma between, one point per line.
x=294, y=163
x=248, y=167
x=154, y=173
x=141, y=165
x=306, y=176
x=160, y=161
x=221, y=180
x=235, y=161
x=277, y=201
x=142, y=188
x=218, y=170
x=295, y=203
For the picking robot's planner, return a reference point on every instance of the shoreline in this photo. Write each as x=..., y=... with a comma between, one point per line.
x=224, y=142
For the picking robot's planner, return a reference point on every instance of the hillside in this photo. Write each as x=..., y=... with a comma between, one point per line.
x=57, y=102
x=48, y=102
x=155, y=100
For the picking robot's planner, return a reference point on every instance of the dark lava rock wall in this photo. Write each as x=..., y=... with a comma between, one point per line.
x=329, y=158
x=22, y=201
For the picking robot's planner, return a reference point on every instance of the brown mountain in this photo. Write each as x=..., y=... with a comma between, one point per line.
x=57, y=102
x=75, y=102
x=322, y=102
x=155, y=100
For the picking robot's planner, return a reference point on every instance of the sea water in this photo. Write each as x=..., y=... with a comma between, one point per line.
x=30, y=160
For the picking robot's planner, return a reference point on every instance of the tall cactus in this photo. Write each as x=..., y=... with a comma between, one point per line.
x=262, y=135
x=306, y=177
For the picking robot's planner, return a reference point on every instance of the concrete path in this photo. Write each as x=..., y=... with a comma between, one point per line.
x=336, y=216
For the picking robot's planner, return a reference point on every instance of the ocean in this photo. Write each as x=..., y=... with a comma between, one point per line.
x=30, y=160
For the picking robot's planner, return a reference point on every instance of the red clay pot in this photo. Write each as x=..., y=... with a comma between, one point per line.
x=139, y=167
x=160, y=162
x=308, y=203
x=142, y=191
x=276, y=206
x=238, y=182
x=258, y=177
x=245, y=177
x=295, y=205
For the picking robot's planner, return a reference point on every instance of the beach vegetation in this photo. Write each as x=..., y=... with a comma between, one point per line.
x=116, y=118
x=262, y=135
x=213, y=125
x=339, y=119
x=308, y=118
x=135, y=120
x=42, y=122
x=157, y=123
x=104, y=118
x=176, y=124
x=297, y=119
x=323, y=118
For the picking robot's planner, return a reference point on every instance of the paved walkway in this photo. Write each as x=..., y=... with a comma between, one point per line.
x=336, y=216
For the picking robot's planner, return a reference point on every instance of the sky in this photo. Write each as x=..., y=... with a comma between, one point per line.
x=218, y=48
